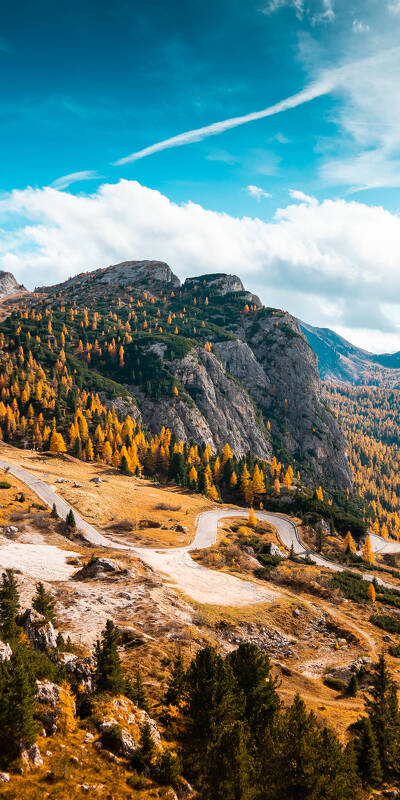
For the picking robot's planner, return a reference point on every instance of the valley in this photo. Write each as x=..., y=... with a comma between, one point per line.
x=173, y=477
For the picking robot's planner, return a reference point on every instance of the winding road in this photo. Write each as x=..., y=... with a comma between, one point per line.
x=200, y=583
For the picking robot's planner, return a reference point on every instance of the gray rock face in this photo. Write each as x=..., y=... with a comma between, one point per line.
x=82, y=668
x=290, y=396
x=221, y=411
x=39, y=632
x=99, y=568
x=8, y=284
x=225, y=284
x=5, y=651
x=140, y=273
x=50, y=697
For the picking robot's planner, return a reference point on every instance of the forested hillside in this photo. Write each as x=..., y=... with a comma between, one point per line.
x=371, y=421
x=204, y=361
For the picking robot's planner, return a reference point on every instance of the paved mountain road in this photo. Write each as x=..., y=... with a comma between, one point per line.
x=200, y=583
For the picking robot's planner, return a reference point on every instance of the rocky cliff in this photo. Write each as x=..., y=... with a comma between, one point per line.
x=214, y=409
x=8, y=284
x=237, y=365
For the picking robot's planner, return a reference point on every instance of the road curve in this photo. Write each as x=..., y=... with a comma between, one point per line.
x=202, y=584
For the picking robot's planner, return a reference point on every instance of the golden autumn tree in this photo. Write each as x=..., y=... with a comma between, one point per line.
x=367, y=552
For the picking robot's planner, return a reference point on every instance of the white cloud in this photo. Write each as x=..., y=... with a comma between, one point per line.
x=257, y=192
x=333, y=263
x=360, y=27
x=394, y=8
x=323, y=13
x=325, y=84
x=74, y=177
x=295, y=194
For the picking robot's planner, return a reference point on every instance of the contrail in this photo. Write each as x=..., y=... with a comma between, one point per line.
x=321, y=87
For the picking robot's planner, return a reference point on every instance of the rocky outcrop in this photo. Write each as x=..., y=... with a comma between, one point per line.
x=51, y=699
x=83, y=669
x=224, y=284
x=8, y=284
x=100, y=568
x=140, y=273
x=219, y=410
x=290, y=394
x=5, y=651
x=39, y=631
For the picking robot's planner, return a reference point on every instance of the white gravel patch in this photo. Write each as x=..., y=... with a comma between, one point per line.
x=42, y=561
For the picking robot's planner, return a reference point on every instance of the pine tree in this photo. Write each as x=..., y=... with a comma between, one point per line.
x=54, y=512
x=17, y=702
x=228, y=765
x=147, y=747
x=213, y=694
x=352, y=688
x=44, y=603
x=70, y=520
x=384, y=715
x=367, y=754
x=9, y=606
x=136, y=691
x=252, y=670
x=109, y=676
x=176, y=684
x=124, y=466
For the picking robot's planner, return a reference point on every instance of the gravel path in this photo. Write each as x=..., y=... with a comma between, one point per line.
x=200, y=583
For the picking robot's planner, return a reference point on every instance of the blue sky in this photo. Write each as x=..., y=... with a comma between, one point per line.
x=88, y=84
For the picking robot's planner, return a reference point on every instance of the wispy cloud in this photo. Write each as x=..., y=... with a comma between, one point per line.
x=360, y=27
x=295, y=194
x=394, y=7
x=257, y=192
x=323, y=86
x=325, y=12
x=66, y=180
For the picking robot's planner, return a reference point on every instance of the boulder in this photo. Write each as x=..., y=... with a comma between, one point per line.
x=4, y=777
x=100, y=568
x=39, y=631
x=31, y=756
x=82, y=668
x=51, y=697
x=11, y=531
x=5, y=651
x=184, y=789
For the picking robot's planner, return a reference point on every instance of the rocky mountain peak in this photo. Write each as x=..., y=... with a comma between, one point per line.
x=224, y=284
x=140, y=273
x=8, y=284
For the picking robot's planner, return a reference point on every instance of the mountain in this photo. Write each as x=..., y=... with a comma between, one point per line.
x=342, y=362
x=204, y=358
x=8, y=284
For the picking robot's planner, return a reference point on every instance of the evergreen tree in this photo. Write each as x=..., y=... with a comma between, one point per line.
x=70, y=520
x=136, y=691
x=252, y=670
x=44, y=603
x=383, y=711
x=176, y=684
x=9, y=606
x=214, y=696
x=147, y=747
x=17, y=702
x=124, y=466
x=109, y=676
x=367, y=755
x=167, y=768
x=352, y=688
x=228, y=765
x=54, y=512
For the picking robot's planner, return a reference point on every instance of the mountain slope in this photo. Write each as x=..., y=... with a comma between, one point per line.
x=342, y=362
x=205, y=359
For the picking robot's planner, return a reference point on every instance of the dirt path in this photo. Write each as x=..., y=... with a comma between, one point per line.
x=200, y=583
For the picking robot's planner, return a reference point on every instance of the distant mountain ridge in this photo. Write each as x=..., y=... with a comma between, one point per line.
x=342, y=362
